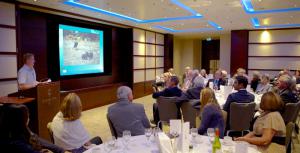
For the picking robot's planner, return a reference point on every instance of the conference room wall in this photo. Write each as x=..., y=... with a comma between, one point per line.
x=274, y=50
x=187, y=52
x=8, y=49
x=268, y=51
x=225, y=42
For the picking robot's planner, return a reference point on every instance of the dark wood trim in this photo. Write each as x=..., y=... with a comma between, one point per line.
x=274, y=29
x=149, y=68
x=267, y=70
x=8, y=79
x=93, y=88
x=7, y=26
x=8, y=53
x=76, y=14
x=272, y=43
x=148, y=42
x=276, y=56
x=147, y=56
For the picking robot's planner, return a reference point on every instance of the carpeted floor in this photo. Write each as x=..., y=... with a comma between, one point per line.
x=95, y=121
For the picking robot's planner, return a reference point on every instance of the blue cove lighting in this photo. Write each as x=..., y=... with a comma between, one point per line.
x=76, y=3
x=214, y=27
x=256, y=24
x=248, y=7
x=194, y=15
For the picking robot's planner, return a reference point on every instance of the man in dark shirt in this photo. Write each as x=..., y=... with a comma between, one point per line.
x=242, y=96
x=172, y=90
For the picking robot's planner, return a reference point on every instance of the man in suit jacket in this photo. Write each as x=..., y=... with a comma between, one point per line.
x=217, y=80
x=242, y=96
x=192, y=93
x=285, y=85
x=126, y=115
x=171, y=91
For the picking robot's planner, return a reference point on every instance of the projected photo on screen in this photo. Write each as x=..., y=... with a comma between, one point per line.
x=80, y=50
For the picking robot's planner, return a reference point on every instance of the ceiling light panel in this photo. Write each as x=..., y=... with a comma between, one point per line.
x=270, y=6
x=139, y=11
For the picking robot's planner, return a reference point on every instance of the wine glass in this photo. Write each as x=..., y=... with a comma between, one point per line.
x=148, y=133
x=211, y=134
x=112, y=143
x=194, y=133
x=126, y=138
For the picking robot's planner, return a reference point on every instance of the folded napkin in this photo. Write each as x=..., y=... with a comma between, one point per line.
x=164, y=142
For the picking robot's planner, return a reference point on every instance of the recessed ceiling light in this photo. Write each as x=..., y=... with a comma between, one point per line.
x=35, y=0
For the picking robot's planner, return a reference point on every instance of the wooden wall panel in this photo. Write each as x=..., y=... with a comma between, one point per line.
x=168, y=51
x=239, y=50
x=96, y=96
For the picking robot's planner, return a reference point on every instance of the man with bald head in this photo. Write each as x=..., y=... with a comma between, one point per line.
x=126, y=115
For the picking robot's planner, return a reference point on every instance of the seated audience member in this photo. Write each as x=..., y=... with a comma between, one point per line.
x=126, y=115
x=171, y=72
x=285, y=87
x=241, y=72
x=211, y=114
x=187, y=82
x=172, y=89
x=203, y=73
x=217, y=80
x=269, y=127
x=297, y=75
x=194, y=92
x=15, y=135
x=68, y=131
x=224, y=77
x=184, y=76
x=255, y=80
x=242, y=96
x=264, y=86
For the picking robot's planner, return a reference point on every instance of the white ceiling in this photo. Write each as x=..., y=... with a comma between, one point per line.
x=228, y=14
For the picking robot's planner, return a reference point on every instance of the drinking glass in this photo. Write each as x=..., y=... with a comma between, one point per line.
x=112, y=143
x=126, y=138
x=148, y=133
x=194, y=133
x=211, y=134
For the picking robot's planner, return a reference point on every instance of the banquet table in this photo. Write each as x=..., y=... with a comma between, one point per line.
x=222, y=99
x=140, y=144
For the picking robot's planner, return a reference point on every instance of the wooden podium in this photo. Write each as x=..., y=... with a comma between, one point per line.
x=44, y=108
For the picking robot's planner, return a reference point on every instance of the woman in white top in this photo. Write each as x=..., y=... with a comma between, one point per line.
x=68, y=131
x=269, y=125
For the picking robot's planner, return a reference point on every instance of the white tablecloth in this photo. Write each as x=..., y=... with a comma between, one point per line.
x=222, y=99
x=139, y=144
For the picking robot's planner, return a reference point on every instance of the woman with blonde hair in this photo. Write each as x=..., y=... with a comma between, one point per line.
x=211, y=114
x=68, y=131
x=269, y=126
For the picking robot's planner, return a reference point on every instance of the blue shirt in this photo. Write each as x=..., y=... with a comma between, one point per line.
x=26, y=75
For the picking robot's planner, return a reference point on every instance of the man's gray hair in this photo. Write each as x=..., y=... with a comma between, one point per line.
x=198, y=82
x=123, y=92
x=286, y=79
